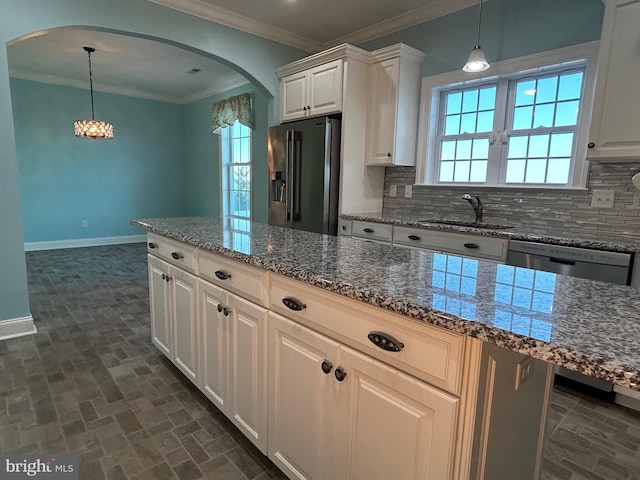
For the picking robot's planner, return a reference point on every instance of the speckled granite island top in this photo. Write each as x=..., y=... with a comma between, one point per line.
x=588, y=326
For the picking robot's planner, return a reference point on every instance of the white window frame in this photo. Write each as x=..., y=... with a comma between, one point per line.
x=426, y=164
x=226, y=152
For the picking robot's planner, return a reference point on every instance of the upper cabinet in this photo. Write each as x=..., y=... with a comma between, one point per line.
x=615, y=135
x=313, y=92
x=393, y=103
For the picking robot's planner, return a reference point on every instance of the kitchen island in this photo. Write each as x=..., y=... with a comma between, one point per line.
x=481, y=312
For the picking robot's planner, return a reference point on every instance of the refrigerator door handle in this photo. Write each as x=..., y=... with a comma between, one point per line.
x=288, y=184
x=295, y=175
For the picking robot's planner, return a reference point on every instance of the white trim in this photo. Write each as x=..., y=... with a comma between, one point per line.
x=432, y=10
x=210, y=92
x=17, y=327
x=83, y=242
x=429, y=93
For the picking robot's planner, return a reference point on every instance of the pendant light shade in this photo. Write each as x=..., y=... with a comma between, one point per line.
x=94, y=129
x=477, y=62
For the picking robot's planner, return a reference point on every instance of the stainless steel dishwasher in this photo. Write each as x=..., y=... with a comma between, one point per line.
x=613, y=267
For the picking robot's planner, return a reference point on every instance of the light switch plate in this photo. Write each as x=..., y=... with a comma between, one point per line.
x=603, y=198
x=408, y=191
x=393, y=189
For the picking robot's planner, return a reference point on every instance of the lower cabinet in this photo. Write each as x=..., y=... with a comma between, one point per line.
x=337, y=413
x=174, y=314
x=234, y=359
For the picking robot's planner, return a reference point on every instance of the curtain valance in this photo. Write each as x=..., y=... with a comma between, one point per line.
x=225, y=112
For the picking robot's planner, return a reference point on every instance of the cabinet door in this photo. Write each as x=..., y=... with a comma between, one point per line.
x=248, y=370
x=293, y=96
x=160, y=306
x=302, y=400
x=185, y=318
x=616, y=113
x=325, y=89
x=382, y=117
x=392, y=425
x=214, y=344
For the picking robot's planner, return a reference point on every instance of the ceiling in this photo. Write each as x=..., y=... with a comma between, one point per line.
x=145, y=68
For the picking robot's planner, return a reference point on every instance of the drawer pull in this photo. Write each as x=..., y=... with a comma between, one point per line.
x=219, y=308
x=293, y=304
x=226, y=311
x=414, y=237
x=151, y=245
x=222, y=275
x=340, y=374
x=327, y=366
x=368, y=230
x=385, y=341
x=165, y=277
x=176, y=255
x=471, y=245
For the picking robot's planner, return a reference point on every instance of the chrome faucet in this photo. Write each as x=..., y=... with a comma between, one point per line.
x=476, y=204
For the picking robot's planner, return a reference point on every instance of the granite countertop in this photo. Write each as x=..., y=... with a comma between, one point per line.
x=595, y=240
x=580, y=324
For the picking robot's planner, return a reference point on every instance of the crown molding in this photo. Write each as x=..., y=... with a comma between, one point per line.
x=127, y=92
x=341, y=51
x=219, y=15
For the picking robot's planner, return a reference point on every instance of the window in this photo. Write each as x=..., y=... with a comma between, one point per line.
x=526, y=126
x=235, y=142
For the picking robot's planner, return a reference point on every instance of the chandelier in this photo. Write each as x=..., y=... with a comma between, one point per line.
x=93, y=128
x=477, y=61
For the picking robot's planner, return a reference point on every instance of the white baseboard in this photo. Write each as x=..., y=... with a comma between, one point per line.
x=17, y=327
x=83, y=242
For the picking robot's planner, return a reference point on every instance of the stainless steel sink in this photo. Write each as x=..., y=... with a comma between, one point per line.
x=492, y=226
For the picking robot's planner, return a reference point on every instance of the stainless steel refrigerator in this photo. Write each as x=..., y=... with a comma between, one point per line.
x=304, y=163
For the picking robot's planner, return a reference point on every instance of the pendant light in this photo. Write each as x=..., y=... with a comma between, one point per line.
x=92, y=128
x=477, y=61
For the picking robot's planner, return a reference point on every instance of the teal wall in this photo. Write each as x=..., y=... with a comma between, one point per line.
x=255, y=57
x=510, y=29
x=203, y=152
x=65, y=180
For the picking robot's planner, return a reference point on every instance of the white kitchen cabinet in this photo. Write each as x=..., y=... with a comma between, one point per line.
x=174, y=314
x=234, y=346
x=312, y=92
x=380, y=232
x=614, y=134
x=393, y=115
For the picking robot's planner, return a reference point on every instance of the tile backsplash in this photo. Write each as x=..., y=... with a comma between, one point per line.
x=555, y=212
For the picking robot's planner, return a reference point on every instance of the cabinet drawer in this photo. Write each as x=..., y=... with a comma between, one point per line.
x=344, y=227
x=248, y=282
x=374, y=231
x=174, y=252
x=475, y=246
x=430, y=353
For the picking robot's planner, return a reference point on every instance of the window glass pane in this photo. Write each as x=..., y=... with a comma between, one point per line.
x=561, y=145
x=487, y=98
x=536, y=171
x=235, y=150
x=448, y=150
x=525, y=92
x=464, y=150
x=478, y=171
x=485, y=122
x=470, y=101
x=244, y=150
x=558, y=171
x=522, y=118
x=452, y=125
x=480, y=149
x=546, y=90
x=468, y=123
x=538, y=146
x=570, y=86
x=543, y=116
x=454, y=103
x=515, y=171
x=567, y=113
x=446, y=172
x=461, y=172
x=518, y=147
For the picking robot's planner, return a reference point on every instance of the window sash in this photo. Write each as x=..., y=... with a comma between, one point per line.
x=232, y=137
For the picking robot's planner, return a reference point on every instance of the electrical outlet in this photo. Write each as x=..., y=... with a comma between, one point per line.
x=393, y=190
x=85, y=224
x=408, y=191
x=603, y=198
x=524, y=371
